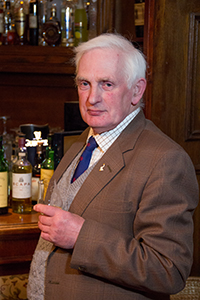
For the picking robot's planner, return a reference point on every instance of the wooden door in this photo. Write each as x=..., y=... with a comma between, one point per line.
x=172, y=46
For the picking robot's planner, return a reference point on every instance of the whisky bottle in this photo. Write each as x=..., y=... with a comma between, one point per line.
x=36, y=171
x=52, y=28
x=92, y=16
x=21, y=181
x=21, y=22
x=139, y=8
x=33, y=22
x=14, y=158
x=81, y=30
x=1, y=25
x=3, y=181
x=42, y=20
x=9, y=33
x=67, y=23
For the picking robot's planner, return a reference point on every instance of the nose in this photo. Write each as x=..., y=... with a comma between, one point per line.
x=94, y=95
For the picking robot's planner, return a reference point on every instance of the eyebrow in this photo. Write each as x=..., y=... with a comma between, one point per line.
x=104, y=79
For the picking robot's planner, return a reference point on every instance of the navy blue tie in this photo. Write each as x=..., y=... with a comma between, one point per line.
x=85, y=158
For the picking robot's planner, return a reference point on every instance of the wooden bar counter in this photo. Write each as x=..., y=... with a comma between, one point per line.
x=19, y=234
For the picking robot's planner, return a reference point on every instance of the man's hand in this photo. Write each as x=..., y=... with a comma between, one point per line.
x=58, y=226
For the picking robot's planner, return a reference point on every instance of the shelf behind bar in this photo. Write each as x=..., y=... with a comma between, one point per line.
x=36, y=59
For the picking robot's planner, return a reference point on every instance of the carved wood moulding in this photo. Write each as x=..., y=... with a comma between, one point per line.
x=193, y=80
x=105, y=16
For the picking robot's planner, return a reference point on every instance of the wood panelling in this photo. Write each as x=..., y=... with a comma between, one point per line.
x=174, y=82
x=105, y=16
x=193, y=80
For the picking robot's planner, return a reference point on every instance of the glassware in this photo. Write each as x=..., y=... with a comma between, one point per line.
x=36, y=171
x=67, y=23
x=56, y=199
x=7, y=145
x=52, y=28
x=9, y=33
x=92, y=19
x=33, y=22
x=40, y=198
x=47, y=166
x=21, y=16
x=81, y=30
x=42, y=20
x=21, y=181
x=7, y=139
x=3, y=181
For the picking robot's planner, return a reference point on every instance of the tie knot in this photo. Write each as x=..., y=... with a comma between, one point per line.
x=92, y=144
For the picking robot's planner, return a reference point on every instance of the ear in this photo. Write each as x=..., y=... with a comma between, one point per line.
x=138, y=90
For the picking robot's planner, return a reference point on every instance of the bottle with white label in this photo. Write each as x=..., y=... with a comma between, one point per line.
x=21, y=181
x=3, y=181
x=33, y=22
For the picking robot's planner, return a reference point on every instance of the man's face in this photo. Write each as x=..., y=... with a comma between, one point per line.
x=104, y=98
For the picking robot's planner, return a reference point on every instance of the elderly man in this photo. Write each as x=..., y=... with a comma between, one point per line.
x=125, y=230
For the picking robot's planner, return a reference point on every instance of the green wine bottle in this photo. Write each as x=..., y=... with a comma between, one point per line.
x=3, y=180
x=47, y=169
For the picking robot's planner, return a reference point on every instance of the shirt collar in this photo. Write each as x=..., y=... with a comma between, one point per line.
x=106, y=139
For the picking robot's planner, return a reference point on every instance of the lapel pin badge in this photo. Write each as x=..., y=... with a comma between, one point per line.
x=102, y=168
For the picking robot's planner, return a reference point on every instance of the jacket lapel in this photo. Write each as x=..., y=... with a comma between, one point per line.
x=108, y=166
x=66, y=160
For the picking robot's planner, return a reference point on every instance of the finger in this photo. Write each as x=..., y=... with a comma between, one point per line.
x=46, y=236
x=44, y=228
x=45, y=220
x=45, y=209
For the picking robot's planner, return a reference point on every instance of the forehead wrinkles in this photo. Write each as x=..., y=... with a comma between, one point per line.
x=100, y=65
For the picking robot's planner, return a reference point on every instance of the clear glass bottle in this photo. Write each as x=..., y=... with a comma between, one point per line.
x=9, y=34
x=33, y=22
x=36, y=171
x=52, y=28
x=21, y=181
x=42, y=20
x=92, y=19
x=1, y=25
x=21, y=21
x=3, y=181
x=67, y=23
x=81, y=30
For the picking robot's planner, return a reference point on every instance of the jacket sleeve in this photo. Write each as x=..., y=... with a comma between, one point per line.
x=156, y=253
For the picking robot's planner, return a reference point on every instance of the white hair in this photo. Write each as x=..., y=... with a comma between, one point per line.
x=134, y=61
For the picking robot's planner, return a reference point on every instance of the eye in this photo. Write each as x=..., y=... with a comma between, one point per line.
x=107, y=85
x=83, y=85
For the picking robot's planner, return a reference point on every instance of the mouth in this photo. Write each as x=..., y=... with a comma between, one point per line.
x=95, y=112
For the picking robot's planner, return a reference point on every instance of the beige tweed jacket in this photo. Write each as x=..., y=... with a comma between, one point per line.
x=137, y=240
